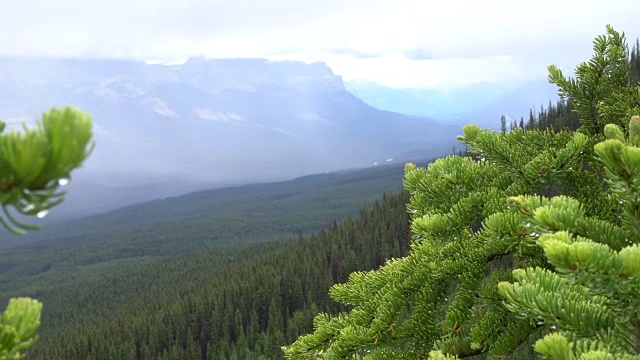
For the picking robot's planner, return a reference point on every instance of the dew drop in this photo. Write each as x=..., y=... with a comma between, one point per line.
x=42, y=214
x=63, y=181
x=29, y=208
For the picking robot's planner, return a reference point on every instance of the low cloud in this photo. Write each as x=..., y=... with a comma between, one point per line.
x=398, y=71
x=384, y=42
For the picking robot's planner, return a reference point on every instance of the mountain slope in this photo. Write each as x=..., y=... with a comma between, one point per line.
x=481, y=104
x=212, y=121
x=211, y=218
x=75, y=267
x=221, y=304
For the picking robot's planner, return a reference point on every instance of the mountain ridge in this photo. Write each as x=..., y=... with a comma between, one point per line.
x=334, y=195
x=481, y=103
x=215, y=121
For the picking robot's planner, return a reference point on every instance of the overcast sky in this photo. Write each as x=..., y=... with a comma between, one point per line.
x=398, y=43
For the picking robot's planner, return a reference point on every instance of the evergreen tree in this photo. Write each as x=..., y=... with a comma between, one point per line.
x=634, y=64
x=600, y=93
x=561, y=115
x=531, y=124
x=557, y=117
x=636, y=68
x=443, y=300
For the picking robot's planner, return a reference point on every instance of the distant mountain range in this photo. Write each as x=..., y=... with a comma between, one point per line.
x=482, y=104
x=164, y=130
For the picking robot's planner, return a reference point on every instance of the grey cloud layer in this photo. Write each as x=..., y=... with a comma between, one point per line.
x=533, y=33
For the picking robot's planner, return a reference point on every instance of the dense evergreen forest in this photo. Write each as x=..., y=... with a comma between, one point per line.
x=232, y=304
x=87, y=270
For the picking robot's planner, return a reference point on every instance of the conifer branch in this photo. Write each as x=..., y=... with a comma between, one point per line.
x=32, y=165
x=532, y=201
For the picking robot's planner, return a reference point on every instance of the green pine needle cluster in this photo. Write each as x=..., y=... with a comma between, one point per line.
x=18, y=326
x=36, y=162
x=533, y=239
x=592, y=298
x=33, y=165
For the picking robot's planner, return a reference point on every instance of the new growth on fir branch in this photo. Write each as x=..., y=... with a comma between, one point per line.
x=36, y=162
x=18, y=327
x=528, y=248
x=592, y=298
x=33, y=165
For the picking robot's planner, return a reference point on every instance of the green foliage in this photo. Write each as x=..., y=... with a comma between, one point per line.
x=601, y=84
x=443, y=300
x=563, y=115
x=590, y=301
x=443, y=295
x=18, y=327
x=593, y=297
x=33, y=164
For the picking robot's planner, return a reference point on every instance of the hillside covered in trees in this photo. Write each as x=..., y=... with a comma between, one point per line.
x=239, y=303
x=154, y=257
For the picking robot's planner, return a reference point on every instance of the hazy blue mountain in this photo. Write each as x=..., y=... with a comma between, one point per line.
x=173, y=129
x=482, y=103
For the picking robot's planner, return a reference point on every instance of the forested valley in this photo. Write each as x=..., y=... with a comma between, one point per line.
x=230, y=273
x=225, y=304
